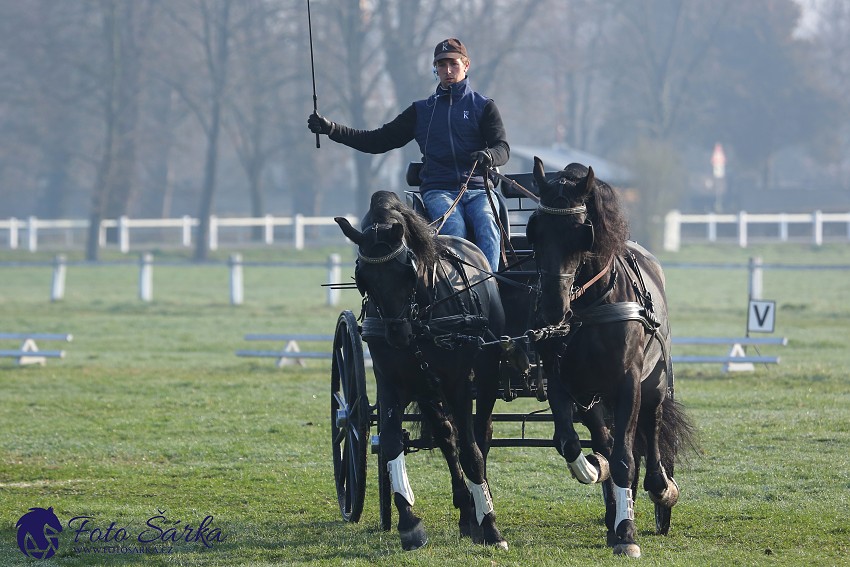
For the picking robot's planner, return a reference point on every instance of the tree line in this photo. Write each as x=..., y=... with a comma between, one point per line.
x=155, y=108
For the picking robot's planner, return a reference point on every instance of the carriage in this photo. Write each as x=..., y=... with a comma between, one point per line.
x=354, y=417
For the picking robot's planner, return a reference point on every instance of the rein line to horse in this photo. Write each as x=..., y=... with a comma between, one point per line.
x=514, y=184
x=445, y=216
x=578, y=292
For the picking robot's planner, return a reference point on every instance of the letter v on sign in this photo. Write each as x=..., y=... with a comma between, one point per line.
x=761, y=316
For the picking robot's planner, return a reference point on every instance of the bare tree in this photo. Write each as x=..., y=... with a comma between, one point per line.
x=122, y=40
x=208, y=23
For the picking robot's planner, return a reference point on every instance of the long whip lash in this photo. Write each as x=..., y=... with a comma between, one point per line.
x=313, y=69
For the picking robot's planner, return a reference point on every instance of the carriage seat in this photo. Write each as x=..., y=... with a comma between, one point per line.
x=414, y=199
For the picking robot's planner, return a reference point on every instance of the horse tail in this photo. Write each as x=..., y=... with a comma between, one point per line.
x=677, y=438
x=676, y=435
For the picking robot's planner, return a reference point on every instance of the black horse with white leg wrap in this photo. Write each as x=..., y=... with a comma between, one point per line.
x=427, y=313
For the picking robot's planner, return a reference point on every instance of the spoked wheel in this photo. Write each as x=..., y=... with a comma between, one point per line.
x=349, y=417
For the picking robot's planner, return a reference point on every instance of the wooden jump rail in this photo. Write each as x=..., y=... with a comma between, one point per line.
x=291, y=352
x=28, y=352
x=737, y=359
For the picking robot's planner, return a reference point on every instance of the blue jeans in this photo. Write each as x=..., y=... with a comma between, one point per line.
x=474, y=209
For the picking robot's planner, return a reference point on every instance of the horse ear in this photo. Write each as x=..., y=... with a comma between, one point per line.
x=539, y=174
x=585, y=186
x=349, y=231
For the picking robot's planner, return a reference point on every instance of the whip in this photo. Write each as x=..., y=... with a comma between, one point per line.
x=313, y=69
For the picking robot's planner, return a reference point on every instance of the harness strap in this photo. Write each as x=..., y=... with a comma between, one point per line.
x=581, y=290
x=504, y=236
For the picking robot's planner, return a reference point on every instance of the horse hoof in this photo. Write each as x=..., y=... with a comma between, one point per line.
x=601, y=464
x=414, y=538
x=628, y=549
x=668, y=497
x=503, y=545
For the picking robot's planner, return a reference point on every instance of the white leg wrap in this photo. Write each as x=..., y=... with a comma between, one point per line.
x=625, y=505
x=482, y=498
x=398, y=478
x=583, y=470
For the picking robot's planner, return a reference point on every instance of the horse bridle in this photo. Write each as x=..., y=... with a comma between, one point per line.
x=404, y=255
x=565, y=279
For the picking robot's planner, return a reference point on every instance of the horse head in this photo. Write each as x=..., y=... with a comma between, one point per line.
x=386, y=273
x=561, y=235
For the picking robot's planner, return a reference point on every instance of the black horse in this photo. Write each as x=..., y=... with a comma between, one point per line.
x=426, y=312
x=613, y=368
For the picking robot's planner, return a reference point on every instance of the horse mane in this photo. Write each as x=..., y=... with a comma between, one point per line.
x=611, y=228
x=386, y=208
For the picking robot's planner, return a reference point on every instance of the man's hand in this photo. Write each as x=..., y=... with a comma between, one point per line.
x=318, y=124
x=483, y=157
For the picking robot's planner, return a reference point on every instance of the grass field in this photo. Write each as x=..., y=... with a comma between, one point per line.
x=152, y=426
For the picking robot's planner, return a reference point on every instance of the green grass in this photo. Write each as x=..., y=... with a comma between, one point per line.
x=151, y=413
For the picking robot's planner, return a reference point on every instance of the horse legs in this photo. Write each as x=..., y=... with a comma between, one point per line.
x=445, y=435
x=567, y=442
x=662, y=489
x=410, y=528
x=623, y=465
x=602, y=443
x=483, y=526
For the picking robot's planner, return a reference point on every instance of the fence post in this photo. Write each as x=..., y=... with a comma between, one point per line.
x=57, y=290
x=334, y=275
x=101, y=235
x=187, y=231
x=783, y=227
x=711, y=227
x=268, y=230
x=32, y=234
x=123, y=234
x=13, y=233
x=146, y=277
x=817, y=228
x=742, y=229
x=213, y=232
x=755, y=278
x=298, y=226
x=672, y=231
x=236, y=283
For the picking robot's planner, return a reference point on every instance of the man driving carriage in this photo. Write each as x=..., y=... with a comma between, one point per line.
x=456, y=129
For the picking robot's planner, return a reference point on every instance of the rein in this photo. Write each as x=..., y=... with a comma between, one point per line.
x=578, y=292
x=442, y=220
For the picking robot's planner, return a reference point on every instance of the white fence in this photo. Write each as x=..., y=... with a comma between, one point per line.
x=815, y=227
x=799, y=227
x=182, y=229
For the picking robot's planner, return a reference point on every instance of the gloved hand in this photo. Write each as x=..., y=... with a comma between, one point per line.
x=318, y=124
x=483, y=156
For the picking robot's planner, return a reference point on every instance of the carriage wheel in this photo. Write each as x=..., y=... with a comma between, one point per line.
x=349, y=417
